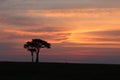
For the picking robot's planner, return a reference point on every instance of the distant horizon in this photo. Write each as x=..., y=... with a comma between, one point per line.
x=92, y=59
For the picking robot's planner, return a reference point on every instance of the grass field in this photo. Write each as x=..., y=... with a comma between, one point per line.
x=58, y=71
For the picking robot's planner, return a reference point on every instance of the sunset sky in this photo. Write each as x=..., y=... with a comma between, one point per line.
x=80, y=31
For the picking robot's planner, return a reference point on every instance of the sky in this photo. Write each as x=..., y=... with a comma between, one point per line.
x=80, y=31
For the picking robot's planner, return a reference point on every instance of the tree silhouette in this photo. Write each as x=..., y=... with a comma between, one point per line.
x=35, y=45
x=30, y=47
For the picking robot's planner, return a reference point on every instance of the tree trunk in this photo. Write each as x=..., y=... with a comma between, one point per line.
x=37, y=56
x=32, y=56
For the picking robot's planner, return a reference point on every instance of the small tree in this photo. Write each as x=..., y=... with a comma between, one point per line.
x=35, y=45
x=30, y=47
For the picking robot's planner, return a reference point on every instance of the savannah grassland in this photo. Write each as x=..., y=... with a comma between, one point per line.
x=58, y=71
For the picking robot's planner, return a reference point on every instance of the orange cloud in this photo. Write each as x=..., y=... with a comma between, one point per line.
x=71, y=13
x=77, y=26
x=53, y=37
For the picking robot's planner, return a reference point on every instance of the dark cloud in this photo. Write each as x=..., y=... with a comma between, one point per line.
x=47, y=29
x=108, y=39
x=105, y=36
x=18, y=20
x=57, y=37
x=12, y=5
x=106, y=33
x=88, y=44
x=45, y=35
x=37, y=24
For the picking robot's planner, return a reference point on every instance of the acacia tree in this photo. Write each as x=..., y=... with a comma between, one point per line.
x=30, y=47
x=35, y=45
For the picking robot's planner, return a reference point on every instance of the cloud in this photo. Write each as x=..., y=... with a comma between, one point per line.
x=113, y=33
x=10, y=7
x=55, y=29
x=103, y=36
x=18, y=20
x=57, y=4
x=54, y=16
x=108, y=39
x=71, y=13
x=46, y=23
x=62, y=18
x=24, y=35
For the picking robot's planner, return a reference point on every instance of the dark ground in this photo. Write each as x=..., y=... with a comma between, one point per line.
x=58, y=71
